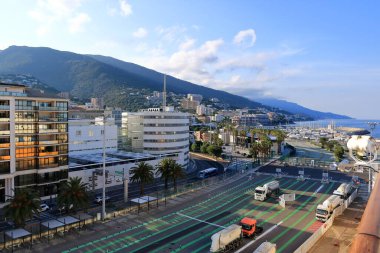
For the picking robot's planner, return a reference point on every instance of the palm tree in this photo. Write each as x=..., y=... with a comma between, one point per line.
x=177, y=172
x=142, y=174
x=254, y=150
x=164, y=168
x=22, y=205
x=73, y=195
x=280, y=136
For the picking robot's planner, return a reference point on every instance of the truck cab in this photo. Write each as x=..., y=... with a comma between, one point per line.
x=248, y=227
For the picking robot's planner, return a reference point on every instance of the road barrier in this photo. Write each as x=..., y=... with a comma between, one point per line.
x=309, y=243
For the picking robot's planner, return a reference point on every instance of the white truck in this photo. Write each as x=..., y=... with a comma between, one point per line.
x=325, y=210
x=265, y=191
x=266, y=247
x=227, y=239
x=343, y=190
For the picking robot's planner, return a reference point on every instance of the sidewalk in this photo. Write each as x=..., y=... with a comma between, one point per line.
x=340, y=236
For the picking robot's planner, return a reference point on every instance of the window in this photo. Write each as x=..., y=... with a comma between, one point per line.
x=90, y=133
x=102, y=132
x=78, y=133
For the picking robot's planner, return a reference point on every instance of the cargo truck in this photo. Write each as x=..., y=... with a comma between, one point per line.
x=231, y=237
x=343, y=190
x=265, y=191
x=326, y=209
x=266, y=247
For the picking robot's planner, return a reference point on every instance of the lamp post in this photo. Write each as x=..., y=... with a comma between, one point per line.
x=104, y=167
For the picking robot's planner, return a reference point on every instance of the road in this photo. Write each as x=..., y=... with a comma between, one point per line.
x=188, y=225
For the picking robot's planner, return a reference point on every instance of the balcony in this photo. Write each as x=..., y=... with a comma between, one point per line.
x=4, y=120
x=48, y=153
x=48, y=142
x=47, y=131
x=26, y=143
x=4, y=107
x=49, y=108
x=5, y=132
x=5, y=145
x=5, y=157
x=14, y=94
x=48, y=119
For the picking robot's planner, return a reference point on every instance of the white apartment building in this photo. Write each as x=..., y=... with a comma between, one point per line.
x=204, y=110
x=86, y=136
x=195, y=97
x=156, y=131
x=33, y=141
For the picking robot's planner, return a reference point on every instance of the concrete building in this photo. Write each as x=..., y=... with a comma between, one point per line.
x=97, y=103
x=158, y=132
x=118, y=163
x=251, y=120
x=33, y=141
x=204, y=110
x=86, y=136
x=188, y=104
x=195, y=97
x=217, y=118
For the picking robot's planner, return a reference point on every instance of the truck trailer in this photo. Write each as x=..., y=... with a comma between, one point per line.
x=266, y=247
x=265, y=191
x=343, y=190
x=231, y=237
x=326, y=209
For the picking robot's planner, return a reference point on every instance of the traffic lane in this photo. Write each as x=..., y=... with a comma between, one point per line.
x=287, y=235
x=200, y=204
x=313, y=173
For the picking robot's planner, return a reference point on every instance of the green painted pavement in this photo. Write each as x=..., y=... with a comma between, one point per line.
x=283, y=247
x=226, y=217
x=178, y=218
x=258, y=216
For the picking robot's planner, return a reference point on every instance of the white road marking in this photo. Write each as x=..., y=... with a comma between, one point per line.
x=317, y=190
x=203, y=221
x=258, y=238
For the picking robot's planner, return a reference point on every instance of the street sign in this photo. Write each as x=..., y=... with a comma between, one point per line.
x=119, y=173
x=301, y=172
x=278, y=170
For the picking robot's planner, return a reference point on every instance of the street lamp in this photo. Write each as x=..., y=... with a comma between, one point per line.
x=364, y=145
x=104, y=167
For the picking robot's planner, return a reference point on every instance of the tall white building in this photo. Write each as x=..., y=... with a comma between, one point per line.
x=204, y=110
x=156, y=131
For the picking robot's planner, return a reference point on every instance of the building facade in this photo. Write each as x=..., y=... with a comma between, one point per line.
x=204, y=110
x=157, y=132
x=33, y=141
x=188, y=104
x=86, y=136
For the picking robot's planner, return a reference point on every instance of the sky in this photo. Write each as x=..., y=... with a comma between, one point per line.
x=321, y=54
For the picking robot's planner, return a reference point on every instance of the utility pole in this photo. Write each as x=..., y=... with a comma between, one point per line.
x=104, y=167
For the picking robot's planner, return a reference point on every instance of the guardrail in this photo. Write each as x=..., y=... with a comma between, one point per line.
x=368, y=237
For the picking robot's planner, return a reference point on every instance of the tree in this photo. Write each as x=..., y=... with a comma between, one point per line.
x=204, y=147
x=280, y=137
x=265, y=146
x=194, y=147
x=219, y=142
x=164, y=169
x=73, y=194
x=177, y=172
x=323, y=141
x=214, y=150
x=22, y=205
x=254, y=150
x=338, y=153
x=142, y=174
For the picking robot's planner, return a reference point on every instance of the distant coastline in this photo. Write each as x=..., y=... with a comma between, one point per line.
x=357, y=126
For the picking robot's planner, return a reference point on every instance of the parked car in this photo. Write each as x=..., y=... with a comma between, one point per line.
x=43, y=208
x=99, y=199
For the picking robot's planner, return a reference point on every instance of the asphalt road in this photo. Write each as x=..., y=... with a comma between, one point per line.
x=189, y=225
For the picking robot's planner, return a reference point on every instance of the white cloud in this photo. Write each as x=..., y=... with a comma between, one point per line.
x=140, y=33
x=125, y=8
x=172, y=33
x=245, y=38
x=76, y=23
x=48, y=13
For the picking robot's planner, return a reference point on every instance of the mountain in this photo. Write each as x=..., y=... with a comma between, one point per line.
x=97, y=76
x=298, y=109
